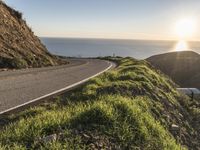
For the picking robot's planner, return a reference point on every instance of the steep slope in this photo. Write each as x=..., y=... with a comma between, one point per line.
x=133, y=106
x=19, y=47
x=182, y=67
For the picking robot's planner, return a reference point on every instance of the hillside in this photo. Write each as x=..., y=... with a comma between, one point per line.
x=19, y=47
x=183, y=67
x=132, y=106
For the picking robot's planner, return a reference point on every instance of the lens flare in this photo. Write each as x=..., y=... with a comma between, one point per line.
x=181, y=46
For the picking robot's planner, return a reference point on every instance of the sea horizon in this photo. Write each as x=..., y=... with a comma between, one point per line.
x=100, y=47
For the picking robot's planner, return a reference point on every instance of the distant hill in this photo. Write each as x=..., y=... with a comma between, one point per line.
x=19, y=47
x=183, y=67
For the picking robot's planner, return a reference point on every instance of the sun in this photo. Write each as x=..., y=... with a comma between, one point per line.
x=185, y=28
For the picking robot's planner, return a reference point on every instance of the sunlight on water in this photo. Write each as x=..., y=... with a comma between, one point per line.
x=181, y=46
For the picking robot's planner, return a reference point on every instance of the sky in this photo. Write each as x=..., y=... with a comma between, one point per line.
x=122, y=19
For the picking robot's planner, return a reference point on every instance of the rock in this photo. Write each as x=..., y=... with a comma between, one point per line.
x=92, y=146
x=175, y=127
x=61, y=136
x=180, y=115
x=49, y=138
x=100, y=144
x=86, y=136
x=96, y=138
x=4, y=69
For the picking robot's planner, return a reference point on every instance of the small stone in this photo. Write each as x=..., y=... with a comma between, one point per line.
x=96, y=138
x=175, y=127
x=92, y=146
x=180, y=115
x=100, y=145
x=61, y=136
x=5, y=69
x=86, y=136
x=49, y=138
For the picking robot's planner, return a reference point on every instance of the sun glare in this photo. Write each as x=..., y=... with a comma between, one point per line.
x=181, y=46
x=185, y=28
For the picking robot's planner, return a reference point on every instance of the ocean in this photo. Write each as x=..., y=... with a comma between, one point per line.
x=139, y=49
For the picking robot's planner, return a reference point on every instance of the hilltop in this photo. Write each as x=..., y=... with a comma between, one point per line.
x=183, y=67
x=133, y=106
x=19, y=47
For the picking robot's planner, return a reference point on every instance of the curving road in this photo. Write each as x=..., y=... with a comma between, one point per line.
x=23, y=87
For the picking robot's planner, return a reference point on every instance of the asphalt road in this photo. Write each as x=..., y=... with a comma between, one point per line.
x=22, y=87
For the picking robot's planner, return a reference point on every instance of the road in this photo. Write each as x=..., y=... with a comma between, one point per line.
x=23, y=87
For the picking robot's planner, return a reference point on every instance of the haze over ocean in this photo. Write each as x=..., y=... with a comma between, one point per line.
x=140, y=49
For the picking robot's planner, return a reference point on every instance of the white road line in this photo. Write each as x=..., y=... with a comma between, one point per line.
x=55, y=92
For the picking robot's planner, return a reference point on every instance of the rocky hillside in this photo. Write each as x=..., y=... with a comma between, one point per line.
x=19, y=47
x=182, y=67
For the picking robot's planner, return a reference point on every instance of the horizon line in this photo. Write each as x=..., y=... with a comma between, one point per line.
x=100, y=38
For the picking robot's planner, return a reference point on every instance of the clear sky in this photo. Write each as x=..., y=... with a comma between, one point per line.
x=129, y=19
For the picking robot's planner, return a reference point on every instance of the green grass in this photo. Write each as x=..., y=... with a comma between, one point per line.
x=130, y=107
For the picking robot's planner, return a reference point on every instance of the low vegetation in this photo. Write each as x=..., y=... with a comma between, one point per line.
x=132, y=106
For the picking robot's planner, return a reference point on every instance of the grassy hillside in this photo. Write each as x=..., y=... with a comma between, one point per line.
x=133, y=106
x=182, y=67
x=19, y=47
